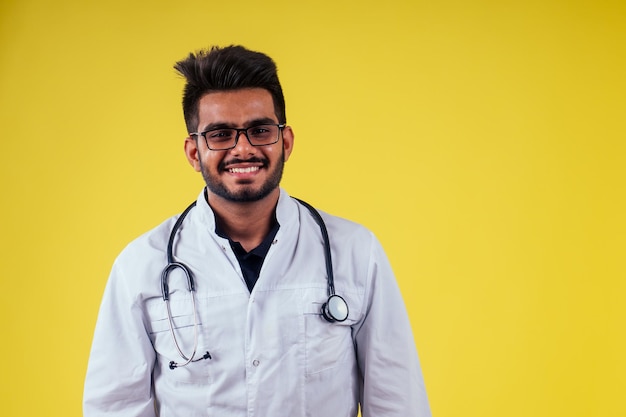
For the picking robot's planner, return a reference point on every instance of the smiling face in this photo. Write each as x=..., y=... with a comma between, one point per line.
x=244, y=173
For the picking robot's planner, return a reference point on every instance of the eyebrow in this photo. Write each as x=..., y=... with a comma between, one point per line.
x=250, y=123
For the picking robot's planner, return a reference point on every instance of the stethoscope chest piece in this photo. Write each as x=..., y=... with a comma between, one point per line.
x=335, y=309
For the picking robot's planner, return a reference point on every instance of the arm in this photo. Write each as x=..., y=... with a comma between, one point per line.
x=118, y=381
x=392, y=376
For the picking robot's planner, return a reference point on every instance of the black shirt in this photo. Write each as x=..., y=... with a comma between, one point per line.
x=251, y=262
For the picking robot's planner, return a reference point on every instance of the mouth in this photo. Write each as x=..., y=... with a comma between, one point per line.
x=244, y=170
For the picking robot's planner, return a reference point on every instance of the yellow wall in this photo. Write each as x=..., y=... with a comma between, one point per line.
x=482, y=141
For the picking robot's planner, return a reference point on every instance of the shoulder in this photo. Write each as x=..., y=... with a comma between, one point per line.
x=150, y=244
x=339, y=228
x=346, y=229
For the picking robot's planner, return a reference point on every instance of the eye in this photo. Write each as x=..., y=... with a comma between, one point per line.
x=261, y=130
x=220, y=134
x=257, y=130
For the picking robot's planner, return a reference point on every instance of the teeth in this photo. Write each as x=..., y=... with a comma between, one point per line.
x=243, y=170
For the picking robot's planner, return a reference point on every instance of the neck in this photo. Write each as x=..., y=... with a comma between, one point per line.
x=247, y=223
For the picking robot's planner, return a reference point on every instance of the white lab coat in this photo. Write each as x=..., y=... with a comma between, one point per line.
x=273, y=354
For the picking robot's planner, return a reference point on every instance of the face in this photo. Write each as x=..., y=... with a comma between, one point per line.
x=245, y=173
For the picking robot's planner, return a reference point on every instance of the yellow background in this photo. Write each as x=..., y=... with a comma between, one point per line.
x=482, y=141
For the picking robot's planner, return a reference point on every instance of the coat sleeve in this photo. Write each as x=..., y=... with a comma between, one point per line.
x=392, y=385
x=119, y=373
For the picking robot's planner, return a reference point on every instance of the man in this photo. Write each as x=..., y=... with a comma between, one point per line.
x=240, y=322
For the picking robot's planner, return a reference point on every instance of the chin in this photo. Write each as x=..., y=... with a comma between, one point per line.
x=242, y=194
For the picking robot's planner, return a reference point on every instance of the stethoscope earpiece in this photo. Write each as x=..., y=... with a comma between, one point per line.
x=335, y=309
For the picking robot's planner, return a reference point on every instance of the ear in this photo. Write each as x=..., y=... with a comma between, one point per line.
x=288, y=138
x=192, y=152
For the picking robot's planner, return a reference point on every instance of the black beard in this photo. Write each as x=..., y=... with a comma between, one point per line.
x=246, y=194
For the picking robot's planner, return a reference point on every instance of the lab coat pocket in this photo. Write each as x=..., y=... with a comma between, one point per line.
x=186, y=332
x=328, y=345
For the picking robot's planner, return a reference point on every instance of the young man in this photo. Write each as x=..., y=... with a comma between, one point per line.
x=240, y=307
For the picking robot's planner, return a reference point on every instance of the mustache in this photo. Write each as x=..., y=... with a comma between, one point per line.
x=225, y=164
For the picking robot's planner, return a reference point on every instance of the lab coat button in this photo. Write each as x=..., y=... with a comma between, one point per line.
x=255, y=362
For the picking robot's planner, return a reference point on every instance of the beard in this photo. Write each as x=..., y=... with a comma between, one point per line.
x=245, y=194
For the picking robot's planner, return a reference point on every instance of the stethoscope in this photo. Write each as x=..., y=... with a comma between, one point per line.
x=335, y=309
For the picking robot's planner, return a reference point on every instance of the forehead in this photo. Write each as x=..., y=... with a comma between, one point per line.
x=235, y=107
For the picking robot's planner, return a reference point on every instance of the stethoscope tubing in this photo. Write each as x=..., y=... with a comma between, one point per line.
x=327, y=255
x=329, y=310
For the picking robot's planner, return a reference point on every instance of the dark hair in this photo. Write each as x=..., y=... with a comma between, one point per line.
x=229, y=68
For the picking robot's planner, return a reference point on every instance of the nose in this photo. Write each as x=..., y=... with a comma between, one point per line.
x=243, y=146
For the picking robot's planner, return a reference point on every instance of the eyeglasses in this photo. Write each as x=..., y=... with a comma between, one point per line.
x=222, y=139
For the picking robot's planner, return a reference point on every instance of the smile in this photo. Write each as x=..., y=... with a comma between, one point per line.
x=246, y=170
